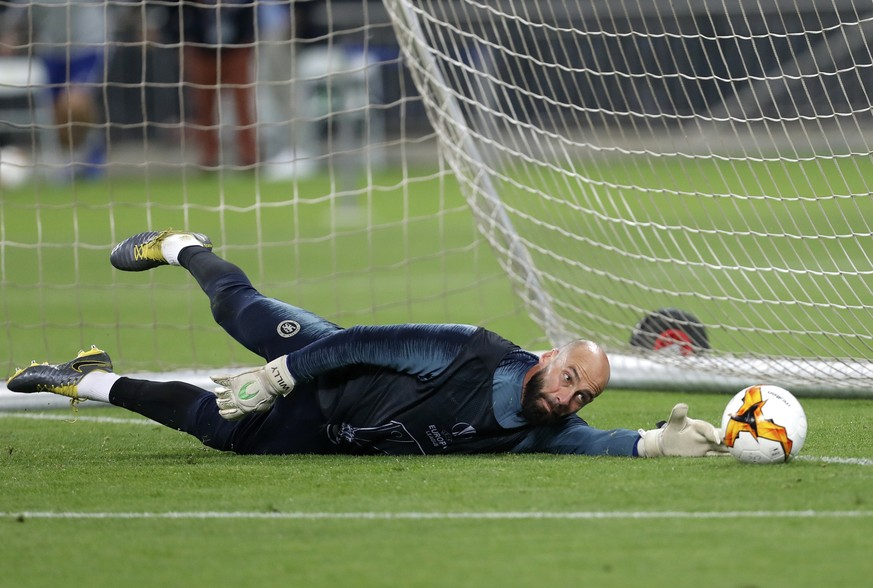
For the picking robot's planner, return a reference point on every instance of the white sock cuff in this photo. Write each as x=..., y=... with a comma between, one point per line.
x=172, y=245
x=96, y=386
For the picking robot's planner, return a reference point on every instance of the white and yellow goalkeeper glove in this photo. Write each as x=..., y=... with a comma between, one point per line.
x=682, y=437
x=252, y=391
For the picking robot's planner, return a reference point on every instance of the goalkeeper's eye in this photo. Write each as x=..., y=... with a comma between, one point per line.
x=584, y=398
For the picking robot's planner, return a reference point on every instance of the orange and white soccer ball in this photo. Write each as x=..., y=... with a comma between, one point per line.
x=764, y=424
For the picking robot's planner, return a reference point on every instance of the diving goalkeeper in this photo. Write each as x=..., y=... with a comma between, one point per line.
x=400, y=389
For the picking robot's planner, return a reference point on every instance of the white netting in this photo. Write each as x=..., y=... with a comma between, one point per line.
x=348, y=210
x=625, y=157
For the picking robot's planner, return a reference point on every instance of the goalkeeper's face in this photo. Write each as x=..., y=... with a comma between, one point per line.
x=567, y=379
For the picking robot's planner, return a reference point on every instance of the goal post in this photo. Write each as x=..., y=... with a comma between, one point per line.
x=462, y=151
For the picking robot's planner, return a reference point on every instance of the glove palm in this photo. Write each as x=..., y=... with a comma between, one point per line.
x=682, y=437
x=252, y=391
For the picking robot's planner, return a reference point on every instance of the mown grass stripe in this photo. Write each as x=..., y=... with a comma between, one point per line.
x=492, y=515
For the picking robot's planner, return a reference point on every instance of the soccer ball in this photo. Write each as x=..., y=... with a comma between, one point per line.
x=764, y=424
x=15, y=167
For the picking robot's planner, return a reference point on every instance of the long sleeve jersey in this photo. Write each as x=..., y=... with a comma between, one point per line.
x=437, y=389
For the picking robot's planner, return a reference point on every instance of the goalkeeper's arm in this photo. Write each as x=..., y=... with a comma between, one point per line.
x=420, y=350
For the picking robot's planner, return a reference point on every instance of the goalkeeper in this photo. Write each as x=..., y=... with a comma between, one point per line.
x=401, y=389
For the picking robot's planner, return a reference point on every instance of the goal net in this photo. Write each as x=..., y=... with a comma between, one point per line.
x=701, y=170
x=685, y=184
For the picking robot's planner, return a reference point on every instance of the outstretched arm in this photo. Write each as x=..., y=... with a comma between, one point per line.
x=415, y=349
x=574, y=436
x=419, y=350
x=679, y=437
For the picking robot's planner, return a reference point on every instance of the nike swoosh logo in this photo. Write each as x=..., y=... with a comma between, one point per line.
x=243, y=395
x=80, y=364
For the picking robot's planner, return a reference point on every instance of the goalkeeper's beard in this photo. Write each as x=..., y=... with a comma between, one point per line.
x=533, y=409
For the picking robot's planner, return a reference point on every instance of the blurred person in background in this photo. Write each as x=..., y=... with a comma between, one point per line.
x=217, y=38
x=71, y=39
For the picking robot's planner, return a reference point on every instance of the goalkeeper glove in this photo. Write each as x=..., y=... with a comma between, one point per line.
x=681, y=437
x=252, y=391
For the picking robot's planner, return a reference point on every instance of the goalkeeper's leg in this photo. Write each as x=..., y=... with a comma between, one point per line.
x=178, y=405
x=265, y=326
x=295, y=427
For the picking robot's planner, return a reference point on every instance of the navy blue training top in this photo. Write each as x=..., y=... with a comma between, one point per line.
x=442, y=362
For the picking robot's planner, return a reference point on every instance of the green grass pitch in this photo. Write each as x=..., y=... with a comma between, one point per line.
x=463, y=521
x=420, y=262
x=111, y=500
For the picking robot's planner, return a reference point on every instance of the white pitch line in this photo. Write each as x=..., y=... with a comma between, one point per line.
x=859, y=461
x=862, y=461
x=72, y=418
x=442, y=516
